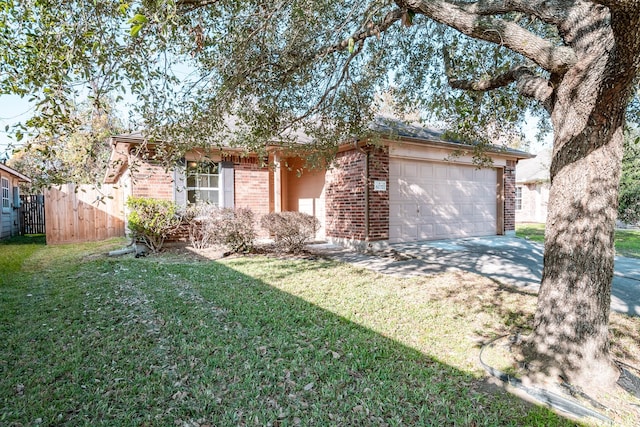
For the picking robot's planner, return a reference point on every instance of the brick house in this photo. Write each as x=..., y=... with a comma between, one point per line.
x=406, y=185
x=10, y=200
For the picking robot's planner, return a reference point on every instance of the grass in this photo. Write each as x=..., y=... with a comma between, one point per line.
x=177, y=340
x=627, y=242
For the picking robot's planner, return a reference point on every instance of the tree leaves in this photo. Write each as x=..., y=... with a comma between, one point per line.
x=248, y=72
x=137, y=23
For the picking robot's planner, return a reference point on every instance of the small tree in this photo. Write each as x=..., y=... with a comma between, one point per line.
x=290, y=230
x=152, y=220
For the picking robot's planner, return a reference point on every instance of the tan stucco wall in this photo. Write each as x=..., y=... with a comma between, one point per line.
x=305, y=192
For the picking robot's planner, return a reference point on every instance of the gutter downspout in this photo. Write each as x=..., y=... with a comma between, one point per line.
x=366, y=187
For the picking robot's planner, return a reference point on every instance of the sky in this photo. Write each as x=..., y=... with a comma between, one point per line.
x=13, y=109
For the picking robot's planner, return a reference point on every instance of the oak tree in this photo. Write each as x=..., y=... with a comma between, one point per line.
x=249, y=71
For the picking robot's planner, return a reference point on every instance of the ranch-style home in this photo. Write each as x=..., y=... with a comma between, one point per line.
x=410, y=185
x=10, y=202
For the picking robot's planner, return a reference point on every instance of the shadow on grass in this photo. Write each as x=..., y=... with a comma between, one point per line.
x=146, y=343
x=35, y=239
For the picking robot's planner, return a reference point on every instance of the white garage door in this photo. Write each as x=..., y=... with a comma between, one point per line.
x=430, y=200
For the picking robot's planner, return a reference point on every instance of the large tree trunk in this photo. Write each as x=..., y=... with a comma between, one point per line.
x=570, y=341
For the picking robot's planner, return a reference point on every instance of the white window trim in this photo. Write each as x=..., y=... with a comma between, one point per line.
x=516, y=198
x=197, y=175
x=6, y=195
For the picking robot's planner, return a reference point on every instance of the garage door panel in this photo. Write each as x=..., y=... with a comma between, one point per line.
x=425, y=210
x=410, y=171
x=425, y=231
x=436, y=201
x=426, y=172
x=468, y=209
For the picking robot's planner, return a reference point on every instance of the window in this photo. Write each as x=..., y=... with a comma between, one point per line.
x=518, y=198
x=203, y=183
x=6, y=201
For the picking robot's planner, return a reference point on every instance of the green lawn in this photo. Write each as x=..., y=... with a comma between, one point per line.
x=627, y=241
x=174, y=340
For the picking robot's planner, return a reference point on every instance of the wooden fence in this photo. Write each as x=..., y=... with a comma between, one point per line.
x=32, y=214
x=83, y=213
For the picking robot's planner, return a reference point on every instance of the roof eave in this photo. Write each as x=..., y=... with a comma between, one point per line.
x=437, y=144
x=21, y=177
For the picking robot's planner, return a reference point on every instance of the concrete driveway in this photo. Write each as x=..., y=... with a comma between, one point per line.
x=507, y=259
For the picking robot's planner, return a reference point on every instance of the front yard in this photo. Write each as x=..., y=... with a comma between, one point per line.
x=627, y=241
x=180, y=340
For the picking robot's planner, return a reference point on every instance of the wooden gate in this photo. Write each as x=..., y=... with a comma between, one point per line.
x=84, y=213
x=32, y=214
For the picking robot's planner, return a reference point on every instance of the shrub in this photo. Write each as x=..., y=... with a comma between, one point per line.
x=290, y=230
x=198, y=218
x=210, y=225
x=152, y=221
x=234, y=229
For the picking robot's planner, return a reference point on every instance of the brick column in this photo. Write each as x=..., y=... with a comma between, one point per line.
x=510, y=197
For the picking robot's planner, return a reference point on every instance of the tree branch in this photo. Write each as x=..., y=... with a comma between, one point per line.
x=372, y=30
x=555, y=59
x=527, y=83
x=549, y=12
x=196, y=3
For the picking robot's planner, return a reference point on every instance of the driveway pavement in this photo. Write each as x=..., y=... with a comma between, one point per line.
x=504, y=258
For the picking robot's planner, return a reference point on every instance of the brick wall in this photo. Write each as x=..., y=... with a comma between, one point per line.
x=251, y=189
x=510, y=196
x=151, y=180
x=345, y=196
x=378, y=200
x=251, y=186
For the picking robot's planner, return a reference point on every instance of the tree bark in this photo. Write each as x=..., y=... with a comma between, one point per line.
x=571, y=339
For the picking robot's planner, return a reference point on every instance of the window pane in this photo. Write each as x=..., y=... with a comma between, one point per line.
x=209, y=196
x=5, y=193
x=202, y=183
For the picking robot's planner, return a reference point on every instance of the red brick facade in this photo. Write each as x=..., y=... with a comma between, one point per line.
x=510, y=196
x=346, y=198
x=251, y=187
x=347, y=192
x=378, y=200
x=152, y=180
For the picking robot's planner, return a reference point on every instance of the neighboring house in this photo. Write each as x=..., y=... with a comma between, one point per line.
x=410, y=185
x=10, y=202
x=532, y=188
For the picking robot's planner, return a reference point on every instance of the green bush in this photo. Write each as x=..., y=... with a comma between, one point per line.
x=290, y=230
x=152, y=221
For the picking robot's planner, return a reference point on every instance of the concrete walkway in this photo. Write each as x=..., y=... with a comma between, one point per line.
x=506, y=259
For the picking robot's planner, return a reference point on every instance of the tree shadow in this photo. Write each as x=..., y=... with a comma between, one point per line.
x=28, y=239
x=332, y=367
